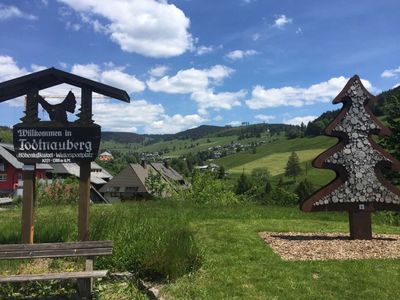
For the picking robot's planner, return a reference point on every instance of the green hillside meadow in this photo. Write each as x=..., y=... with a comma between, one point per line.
x=274, y=157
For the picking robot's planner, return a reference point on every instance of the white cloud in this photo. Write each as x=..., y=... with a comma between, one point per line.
x=391, y=73
x=298, y=120
x=175, y=123
x=122, y=80
x=396, y=85
x=234, y=123
x=63, y=65
x=114, y=77
x=150, y=28
x=72, y=26
x=218, y=118
x=256, y=36
x=281, y=21
x=239, y=54
x=208, y=99
x=91, y=71
x=158, y=71
x=297, y=96
x=264, y=118
x=140, y=113
x=112, y=115
x=37, y=68
x=190, y=80
x=9, y=68
x=201, y=50
x=10, y=12
x=299, y=30
x=200, y=84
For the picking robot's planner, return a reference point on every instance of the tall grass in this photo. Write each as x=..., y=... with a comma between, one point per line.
x=147, y=240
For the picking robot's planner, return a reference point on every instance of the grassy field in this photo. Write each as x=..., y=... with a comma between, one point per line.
x=235, y=262
x=239, y=265
x=275, y=162
x=274, y=157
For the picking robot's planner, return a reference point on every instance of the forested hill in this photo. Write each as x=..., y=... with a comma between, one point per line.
x=202, y=131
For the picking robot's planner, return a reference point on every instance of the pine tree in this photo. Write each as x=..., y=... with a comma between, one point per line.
x=243, y=185
x=359, y=187
x=293, y=168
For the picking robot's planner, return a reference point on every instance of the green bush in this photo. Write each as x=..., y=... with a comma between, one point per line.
x=243, y=185
x=304, y=189
x=207, y=189
x=282, y=196
x=261, y=188
x=58, y=192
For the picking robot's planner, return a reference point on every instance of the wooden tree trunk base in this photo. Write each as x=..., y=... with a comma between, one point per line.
x=360, y=225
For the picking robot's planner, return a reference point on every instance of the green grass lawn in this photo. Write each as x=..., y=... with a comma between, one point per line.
x=235, y=262
x=276, y=162
x=239, y=265
x=283, y=146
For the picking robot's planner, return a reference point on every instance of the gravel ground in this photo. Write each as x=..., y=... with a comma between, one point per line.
x=324, y=246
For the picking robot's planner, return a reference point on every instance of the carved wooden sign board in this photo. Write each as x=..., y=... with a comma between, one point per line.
x=359, y=186
x=64, y=144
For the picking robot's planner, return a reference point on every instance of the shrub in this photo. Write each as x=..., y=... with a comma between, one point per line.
x=156, y=185
x=206, y=189
x=243, y=184
x=58, y=192
x=283, y=197
x=304, y=189
x=261, y=188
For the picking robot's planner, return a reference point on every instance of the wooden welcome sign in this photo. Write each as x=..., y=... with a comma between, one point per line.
x=58, y=140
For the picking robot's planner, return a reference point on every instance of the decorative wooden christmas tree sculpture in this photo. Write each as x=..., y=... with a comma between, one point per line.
x=359, y=186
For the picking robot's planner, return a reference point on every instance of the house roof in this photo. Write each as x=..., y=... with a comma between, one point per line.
x=73, y=169
x=136, y=174
x=133, y=175
x=7, y=152
x=105, y=153
x=170, y=173
x=50, y=77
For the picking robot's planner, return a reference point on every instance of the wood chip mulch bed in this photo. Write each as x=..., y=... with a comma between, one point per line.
x=325, y=246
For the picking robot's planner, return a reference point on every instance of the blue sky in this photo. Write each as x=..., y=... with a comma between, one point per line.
x=192, y=62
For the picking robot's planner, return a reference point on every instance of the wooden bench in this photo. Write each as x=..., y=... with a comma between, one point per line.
x=88, y=249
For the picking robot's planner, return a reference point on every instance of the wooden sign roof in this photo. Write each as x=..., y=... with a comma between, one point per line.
x=50, y=77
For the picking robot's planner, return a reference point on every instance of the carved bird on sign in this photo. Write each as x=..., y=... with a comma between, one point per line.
x=58, y=112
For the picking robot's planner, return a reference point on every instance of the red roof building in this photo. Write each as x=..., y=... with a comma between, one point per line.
x=11, y=171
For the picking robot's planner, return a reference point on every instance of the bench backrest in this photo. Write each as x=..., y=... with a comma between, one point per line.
x=48, y=250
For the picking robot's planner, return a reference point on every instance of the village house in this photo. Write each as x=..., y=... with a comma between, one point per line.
x=130, y=183
x=106, y=156
x=11, y=182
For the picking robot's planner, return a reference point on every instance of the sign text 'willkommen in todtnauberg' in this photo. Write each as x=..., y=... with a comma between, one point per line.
x=56, y=145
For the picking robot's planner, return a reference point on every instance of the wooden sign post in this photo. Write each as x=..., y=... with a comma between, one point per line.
x=28, y=203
